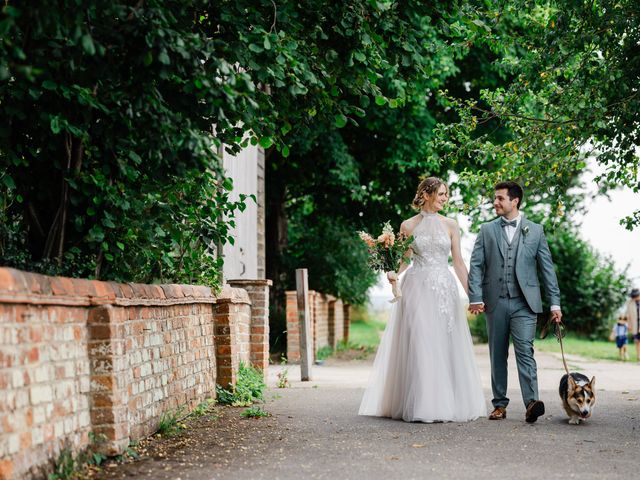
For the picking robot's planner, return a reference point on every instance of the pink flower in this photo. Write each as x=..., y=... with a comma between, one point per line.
x=368, y=239
x=387, y=238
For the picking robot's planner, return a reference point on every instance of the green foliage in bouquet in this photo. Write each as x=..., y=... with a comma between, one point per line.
x=386, y=251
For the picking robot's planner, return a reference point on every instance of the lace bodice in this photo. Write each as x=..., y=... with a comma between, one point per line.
x=431, y=247
x=431, y=244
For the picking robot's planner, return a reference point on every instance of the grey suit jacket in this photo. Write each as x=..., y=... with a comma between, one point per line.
x=486, y=269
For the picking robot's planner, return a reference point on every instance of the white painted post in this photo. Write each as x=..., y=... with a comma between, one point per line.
x=304, y=322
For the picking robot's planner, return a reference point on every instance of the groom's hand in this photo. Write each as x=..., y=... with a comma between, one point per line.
x=556, y=316
x=476, y=308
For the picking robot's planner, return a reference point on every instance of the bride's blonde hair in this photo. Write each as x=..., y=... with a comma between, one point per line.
x=429, y=185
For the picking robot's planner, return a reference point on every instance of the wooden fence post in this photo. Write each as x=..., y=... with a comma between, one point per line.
x=304, y=321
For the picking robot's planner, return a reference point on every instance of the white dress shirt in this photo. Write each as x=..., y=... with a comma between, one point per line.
x=511, y=231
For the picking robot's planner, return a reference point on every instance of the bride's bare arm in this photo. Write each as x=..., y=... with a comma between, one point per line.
x=458, y=263
x=406, y=230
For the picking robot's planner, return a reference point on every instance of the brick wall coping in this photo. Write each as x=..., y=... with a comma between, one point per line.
x=243, y=281
x=233, y=295
x=329, y=297
x=17, y=286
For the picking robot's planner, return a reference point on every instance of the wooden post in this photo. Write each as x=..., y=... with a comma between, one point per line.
x=304, y=322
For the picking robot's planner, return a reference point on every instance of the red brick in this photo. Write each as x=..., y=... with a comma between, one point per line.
x=172, y=291
x=25, y=440
x=139, y=290
x=33, y=355
x=126, y=290
x=223, y=350
x=104, y=399
x=101, y=416
x=83, y=288
x=104, y=290
x=6, y=469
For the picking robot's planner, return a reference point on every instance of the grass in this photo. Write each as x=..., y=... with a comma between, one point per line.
x=574, y=345
x=324, y=353
x=366, y=327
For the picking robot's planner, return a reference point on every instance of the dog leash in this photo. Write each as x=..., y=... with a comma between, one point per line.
x=559, y=333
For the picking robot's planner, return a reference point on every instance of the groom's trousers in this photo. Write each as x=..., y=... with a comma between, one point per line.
x=513, y=318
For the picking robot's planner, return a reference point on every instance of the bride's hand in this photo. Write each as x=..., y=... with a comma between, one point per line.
x=392, y=277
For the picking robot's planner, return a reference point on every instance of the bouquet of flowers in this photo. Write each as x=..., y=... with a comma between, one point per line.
x=386, y=252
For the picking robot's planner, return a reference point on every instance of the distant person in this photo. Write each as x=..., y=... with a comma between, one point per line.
x=633, y=317
x=619, y=334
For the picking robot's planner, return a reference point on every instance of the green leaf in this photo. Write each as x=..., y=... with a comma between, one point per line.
x=267, y=43
x=8, y=182
x=227, y=184
x=87, y=44
x=340, y=120
x=135, y=157
x=49, y=85
x=164, y=58
x=380, y=100
x=285, y=151
x=266, y=142
x=55, y=125
x=148, y=59
x=286, y=128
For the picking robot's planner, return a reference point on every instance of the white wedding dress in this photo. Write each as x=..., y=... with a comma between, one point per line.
x=425, y=369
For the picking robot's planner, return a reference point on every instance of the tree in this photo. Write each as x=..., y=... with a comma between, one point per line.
x=591, y=289
x=574, y=73
x=114, y=113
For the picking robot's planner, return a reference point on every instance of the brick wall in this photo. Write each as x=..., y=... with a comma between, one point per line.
x=258, y=292
x=80, y=356
x=329, y=323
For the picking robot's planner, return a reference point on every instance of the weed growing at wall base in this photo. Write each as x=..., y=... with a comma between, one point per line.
x=283, y=375
x=249, y=388
x=255, y=412
x=170, y=422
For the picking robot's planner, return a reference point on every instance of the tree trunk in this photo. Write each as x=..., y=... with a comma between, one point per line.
x=276, y=241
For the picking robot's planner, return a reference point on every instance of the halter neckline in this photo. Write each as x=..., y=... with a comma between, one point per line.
x=428, y=214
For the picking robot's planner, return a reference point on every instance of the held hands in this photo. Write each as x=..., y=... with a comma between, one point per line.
x=392, y=277
x=476, y=308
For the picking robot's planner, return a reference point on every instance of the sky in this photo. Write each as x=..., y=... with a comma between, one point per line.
x=599, y=226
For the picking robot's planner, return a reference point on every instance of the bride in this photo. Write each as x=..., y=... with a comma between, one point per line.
x=425, y=369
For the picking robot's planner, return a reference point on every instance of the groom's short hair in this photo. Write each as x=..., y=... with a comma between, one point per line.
x=514, y=190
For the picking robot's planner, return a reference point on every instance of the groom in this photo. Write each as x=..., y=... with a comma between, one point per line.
x=503, y=282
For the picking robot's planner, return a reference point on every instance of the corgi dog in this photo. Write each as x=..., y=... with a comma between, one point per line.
x=578, y=395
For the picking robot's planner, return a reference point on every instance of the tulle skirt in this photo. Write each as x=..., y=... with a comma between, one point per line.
x=425, y=369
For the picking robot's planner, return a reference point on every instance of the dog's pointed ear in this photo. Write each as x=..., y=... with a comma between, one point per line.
x=571, y=382
x=593, y=383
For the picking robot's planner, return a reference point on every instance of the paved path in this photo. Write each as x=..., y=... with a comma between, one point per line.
x=326, y=439
x=315, y=432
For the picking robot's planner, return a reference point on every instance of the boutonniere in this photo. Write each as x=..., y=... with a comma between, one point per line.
x=525, y=230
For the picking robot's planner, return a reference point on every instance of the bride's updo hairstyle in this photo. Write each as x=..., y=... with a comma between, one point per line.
x=430, y=186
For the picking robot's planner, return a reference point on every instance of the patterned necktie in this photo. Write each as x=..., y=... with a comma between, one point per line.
x=512, y=223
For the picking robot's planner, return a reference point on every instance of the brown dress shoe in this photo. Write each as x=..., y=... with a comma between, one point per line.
x=499, y=413
x=534, y=410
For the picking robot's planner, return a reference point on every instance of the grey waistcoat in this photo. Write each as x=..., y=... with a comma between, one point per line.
x=509, y=285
